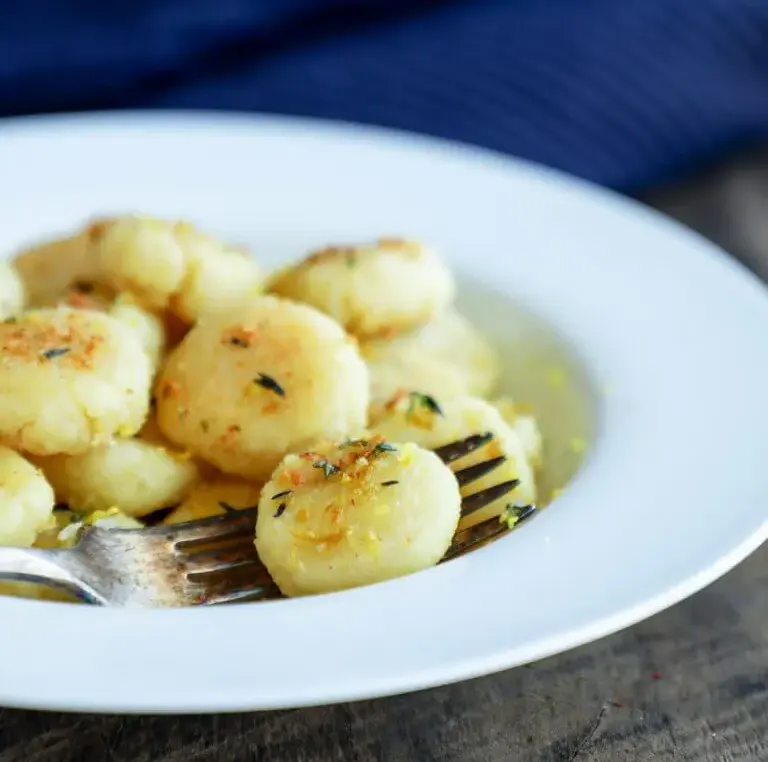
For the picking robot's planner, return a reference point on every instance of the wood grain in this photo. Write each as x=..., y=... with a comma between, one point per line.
x=688, y=684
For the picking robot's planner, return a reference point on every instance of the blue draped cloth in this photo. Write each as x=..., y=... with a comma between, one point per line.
x=627, y=93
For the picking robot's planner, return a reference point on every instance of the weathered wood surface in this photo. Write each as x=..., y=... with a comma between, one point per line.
x=689, y=684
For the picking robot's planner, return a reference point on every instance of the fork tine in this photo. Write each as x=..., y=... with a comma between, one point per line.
x=242, y=595
x=475, y=537
x=242, y=542
x=485, y=532
x=204, y=531
x=472, y=473
x=485, y=497
x=455, y=450
x=213, y=561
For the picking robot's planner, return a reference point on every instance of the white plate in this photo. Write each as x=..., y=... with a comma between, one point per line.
x=673, y=492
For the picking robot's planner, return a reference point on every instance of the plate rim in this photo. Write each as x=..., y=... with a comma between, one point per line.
x=15, y=695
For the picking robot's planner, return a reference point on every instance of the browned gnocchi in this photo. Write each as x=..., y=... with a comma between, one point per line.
x=245, y=388
x=71, y=380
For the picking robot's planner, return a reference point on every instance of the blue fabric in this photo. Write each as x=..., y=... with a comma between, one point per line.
x=627, y=93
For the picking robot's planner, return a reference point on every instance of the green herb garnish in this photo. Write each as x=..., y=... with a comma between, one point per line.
x=382, y=447
x=390, y=483
x=328, y=468
x=49, y=354
x=267, y=382
x=425, y=401
x=284, y=493
x=280, y=511
x=236, y=341
x=514, y=514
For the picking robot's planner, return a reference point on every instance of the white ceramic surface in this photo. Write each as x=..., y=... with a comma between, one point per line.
x=668, y=367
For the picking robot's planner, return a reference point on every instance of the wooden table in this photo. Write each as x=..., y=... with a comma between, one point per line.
x=689, y=684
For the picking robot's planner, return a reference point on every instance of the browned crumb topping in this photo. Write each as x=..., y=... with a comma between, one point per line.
x=68, y=342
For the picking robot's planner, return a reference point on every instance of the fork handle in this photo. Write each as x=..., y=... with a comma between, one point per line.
x=43, y=567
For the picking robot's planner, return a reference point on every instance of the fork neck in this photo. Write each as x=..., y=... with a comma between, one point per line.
x=46, y=567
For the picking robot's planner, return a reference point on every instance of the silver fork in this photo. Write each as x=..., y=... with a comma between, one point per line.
x=208, y=561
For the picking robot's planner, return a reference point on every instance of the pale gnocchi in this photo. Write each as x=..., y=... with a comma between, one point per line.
x=448, y=357
x=134, y=475
x=374, y=290
x=173, y=265
x=415, y=417
x=146, y=376
x=341, y=516
x=12, y=294
x=215, y=497
x=47, y=269
x=26, y=500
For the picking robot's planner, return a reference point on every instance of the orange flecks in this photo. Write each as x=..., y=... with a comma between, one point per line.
x=302, y=515
x=96, y=230
x=322, y=542
x=395, y=400
x=230, y=433
x=171, y=390
x=334, y=513
x=34, y=340
x=271, y=407
x=238, y=336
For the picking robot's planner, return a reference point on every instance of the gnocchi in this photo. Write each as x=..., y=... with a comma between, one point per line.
x=525, y=426
x=152, y=373
x=419, y=418
x=245, y=388
x=49, y=268
x=214, y=498
x=71, y=380
x=341, y=516
x=171, y=264
x=12, y=294
x=26, y=500
x=374, y=290
x=130, y=474
x=446, y=358
x=123, y=307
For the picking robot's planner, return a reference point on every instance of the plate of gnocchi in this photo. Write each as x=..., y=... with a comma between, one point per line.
x=206, y=314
